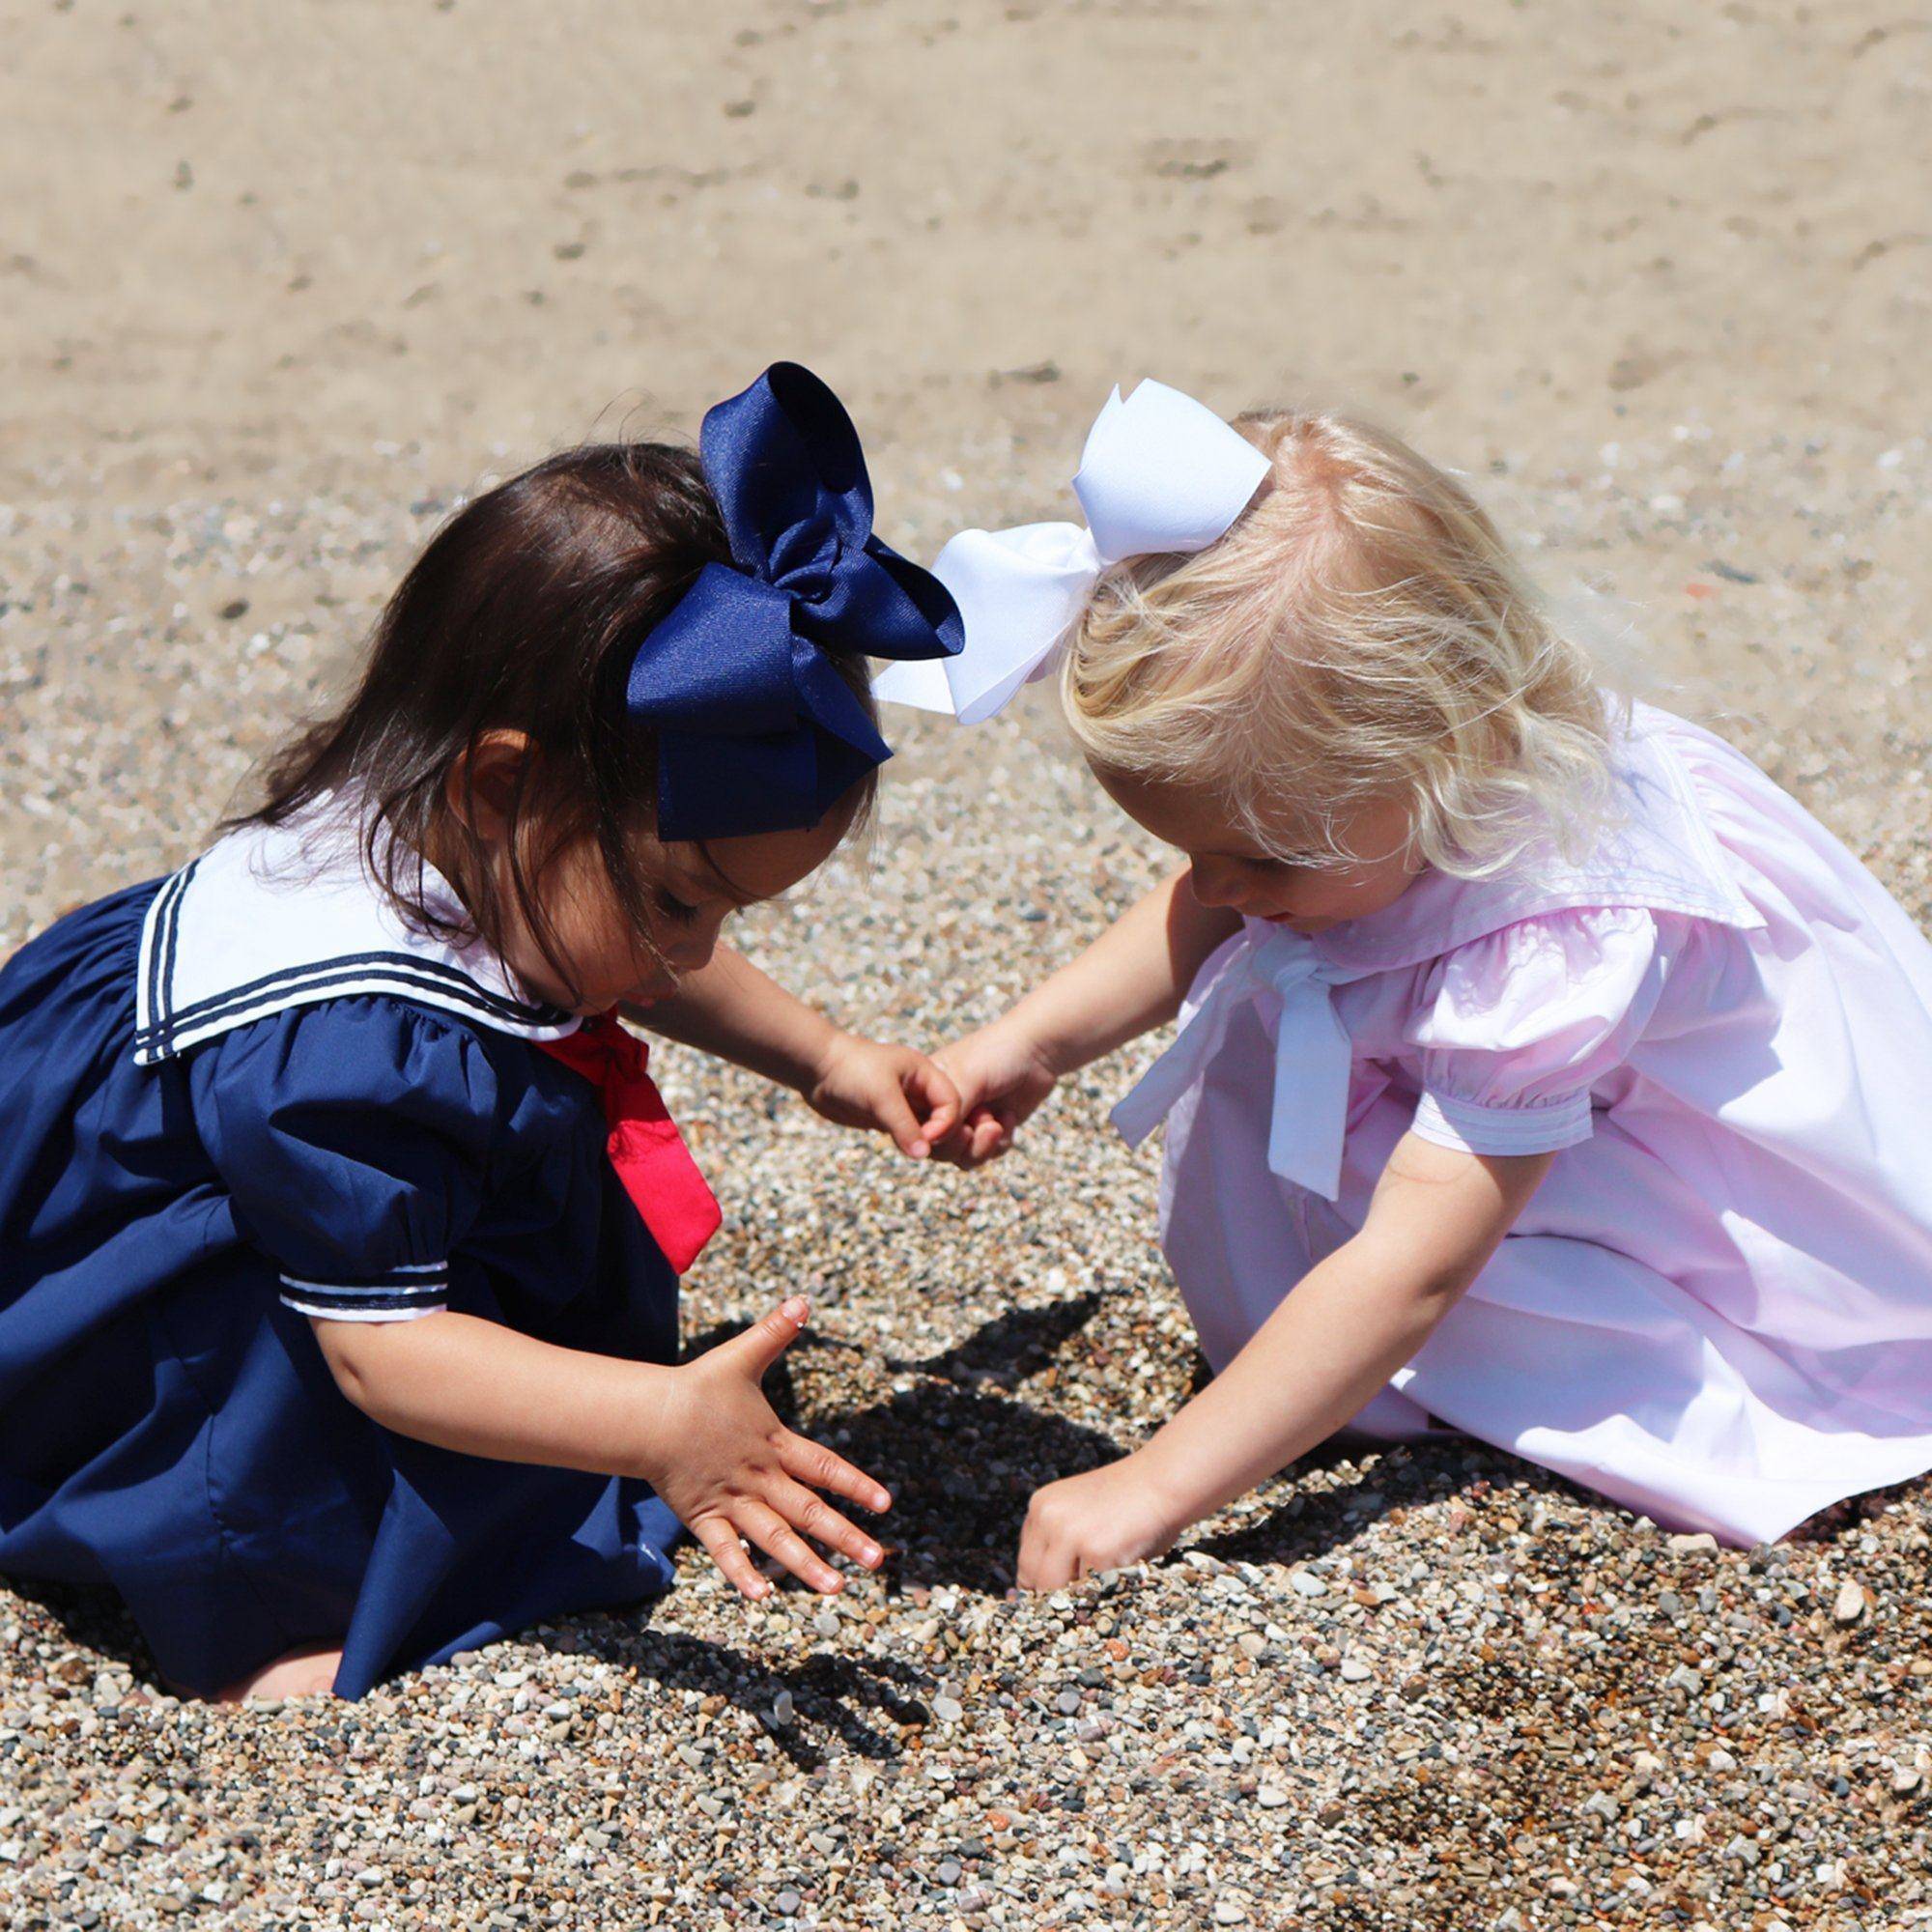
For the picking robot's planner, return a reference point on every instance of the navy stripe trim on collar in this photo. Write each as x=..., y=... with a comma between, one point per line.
x=400, y=972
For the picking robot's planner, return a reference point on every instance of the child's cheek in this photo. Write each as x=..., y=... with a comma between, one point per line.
x=1325, y=897
x=1321, y=896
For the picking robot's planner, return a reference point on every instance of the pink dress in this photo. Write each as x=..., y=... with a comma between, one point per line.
x=1718, y=1307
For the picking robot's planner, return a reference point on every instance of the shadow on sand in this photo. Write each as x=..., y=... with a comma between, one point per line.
x=962, y=1456
x=832, y=1696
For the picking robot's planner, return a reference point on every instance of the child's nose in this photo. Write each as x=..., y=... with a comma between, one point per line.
x=690, y=952
x=1218, y=885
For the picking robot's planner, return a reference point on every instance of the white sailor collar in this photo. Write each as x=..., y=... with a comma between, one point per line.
x=1660, y=856
x=274, y=917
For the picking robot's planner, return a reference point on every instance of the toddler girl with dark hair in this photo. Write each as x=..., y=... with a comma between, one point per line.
x=340, y=1223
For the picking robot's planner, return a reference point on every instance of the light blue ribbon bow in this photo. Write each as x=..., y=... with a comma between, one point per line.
x=1311, y=1058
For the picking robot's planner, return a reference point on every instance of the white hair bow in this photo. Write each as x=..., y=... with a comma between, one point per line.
x=1159, y=472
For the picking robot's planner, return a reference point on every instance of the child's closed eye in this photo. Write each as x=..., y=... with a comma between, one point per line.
x=680, y=911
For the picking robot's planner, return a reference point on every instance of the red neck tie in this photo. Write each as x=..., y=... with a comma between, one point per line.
x=646, y=1146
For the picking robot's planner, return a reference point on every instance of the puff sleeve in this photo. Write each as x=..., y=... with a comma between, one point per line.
x=1515, y=1029
x=354, y=1140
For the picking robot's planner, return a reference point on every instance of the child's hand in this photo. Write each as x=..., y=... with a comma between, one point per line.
x=737, y=1470
x=1103, y=1520
x=859, y=1083
x=1001, y=1075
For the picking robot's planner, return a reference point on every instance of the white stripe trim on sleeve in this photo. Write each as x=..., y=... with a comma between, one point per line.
x=415, y=1313
x=411, y=1287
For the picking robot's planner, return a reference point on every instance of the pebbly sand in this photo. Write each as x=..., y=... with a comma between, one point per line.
x=277, y=285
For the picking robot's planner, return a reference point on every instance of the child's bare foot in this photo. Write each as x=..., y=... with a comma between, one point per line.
x=302, y=1673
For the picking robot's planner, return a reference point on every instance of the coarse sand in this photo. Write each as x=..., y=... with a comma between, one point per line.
x=280, y=285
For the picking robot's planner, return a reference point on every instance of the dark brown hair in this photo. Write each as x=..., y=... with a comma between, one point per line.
x=524, y=614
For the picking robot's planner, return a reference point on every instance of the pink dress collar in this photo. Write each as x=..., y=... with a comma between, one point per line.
x=1662, y=857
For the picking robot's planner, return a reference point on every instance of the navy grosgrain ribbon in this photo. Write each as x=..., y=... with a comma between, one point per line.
x=756, y=729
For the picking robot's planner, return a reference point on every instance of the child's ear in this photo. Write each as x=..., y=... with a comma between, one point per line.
x=481, y=787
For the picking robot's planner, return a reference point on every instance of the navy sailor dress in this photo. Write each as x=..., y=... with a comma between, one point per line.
x=243, y=1096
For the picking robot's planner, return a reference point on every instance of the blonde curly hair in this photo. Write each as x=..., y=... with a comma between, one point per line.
x=1362, y=633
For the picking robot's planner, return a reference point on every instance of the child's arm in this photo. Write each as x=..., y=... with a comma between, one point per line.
x=1132, y=978
x=730, y=1008
x=1352, y=1320
x=701, y=1433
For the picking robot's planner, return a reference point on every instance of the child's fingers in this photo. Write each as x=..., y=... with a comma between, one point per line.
x=733, y=1561
x=1026, y=1572
x=981, y=1134
x=975, y=1142
x=768, y=1338
x=778, y=1540
x=955, y=1077
x=953, y=1144
x=1049, y=1551
x=815, y=1518
x=822, y=1468
x=1043, y=1566
x=939, y=1097
x=898, y=1118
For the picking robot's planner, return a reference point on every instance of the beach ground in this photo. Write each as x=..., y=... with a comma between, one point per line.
x=280, y=286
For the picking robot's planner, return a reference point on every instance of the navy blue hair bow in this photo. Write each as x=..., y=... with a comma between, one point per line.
x=756, y=729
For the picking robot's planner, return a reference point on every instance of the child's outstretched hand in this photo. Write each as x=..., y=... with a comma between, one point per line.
x=1001, y=1075
x=861, y=1083
x=1102, y=1520
x=737, y=1470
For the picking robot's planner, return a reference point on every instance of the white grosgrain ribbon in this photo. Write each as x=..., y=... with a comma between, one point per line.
x=1312, y=1059
x=1159, y=472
